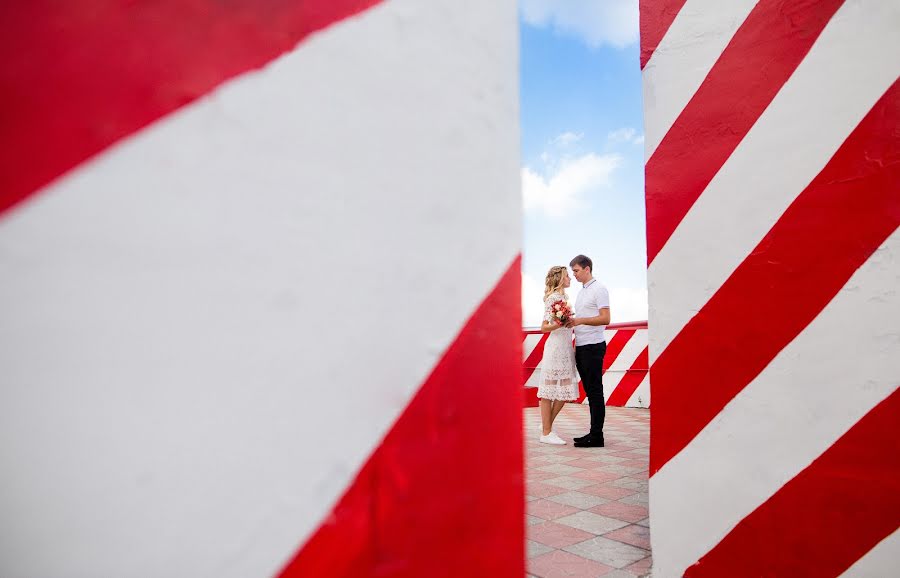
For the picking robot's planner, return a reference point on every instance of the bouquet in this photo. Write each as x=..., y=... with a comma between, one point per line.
x=560, y=311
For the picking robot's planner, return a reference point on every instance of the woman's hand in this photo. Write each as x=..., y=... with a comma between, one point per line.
x=552, y=325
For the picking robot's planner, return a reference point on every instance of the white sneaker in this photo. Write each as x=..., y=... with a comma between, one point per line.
x=552, y=439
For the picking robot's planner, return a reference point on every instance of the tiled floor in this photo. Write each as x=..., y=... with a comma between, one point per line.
x=587, y=507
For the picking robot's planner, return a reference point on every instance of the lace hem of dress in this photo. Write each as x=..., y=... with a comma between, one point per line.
x=558, y=390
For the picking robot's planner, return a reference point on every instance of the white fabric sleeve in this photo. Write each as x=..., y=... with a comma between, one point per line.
x=603, y=298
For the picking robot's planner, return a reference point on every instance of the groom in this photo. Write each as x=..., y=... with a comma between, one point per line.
x=591, y=318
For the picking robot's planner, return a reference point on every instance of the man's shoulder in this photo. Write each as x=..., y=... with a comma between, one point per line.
x=597, y=286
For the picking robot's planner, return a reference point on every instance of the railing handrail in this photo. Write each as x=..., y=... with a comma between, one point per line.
x=626, y=325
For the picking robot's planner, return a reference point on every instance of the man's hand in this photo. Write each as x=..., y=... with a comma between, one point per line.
x=572, y=322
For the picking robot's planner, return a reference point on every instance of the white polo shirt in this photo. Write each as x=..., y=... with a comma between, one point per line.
x=592, y=298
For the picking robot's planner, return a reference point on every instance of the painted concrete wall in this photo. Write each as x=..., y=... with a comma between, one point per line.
x=237, y=311
x=626, y=381
x=773, y=163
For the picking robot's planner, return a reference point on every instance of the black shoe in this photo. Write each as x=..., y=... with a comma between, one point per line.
x=582, y=438
x=590, y=442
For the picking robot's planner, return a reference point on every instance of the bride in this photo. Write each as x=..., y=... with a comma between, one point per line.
x=559, y=378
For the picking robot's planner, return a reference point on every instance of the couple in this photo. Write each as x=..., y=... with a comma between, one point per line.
x=561, y=365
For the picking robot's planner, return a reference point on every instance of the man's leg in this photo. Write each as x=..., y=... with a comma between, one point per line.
x=589, y=361
x=594, y=362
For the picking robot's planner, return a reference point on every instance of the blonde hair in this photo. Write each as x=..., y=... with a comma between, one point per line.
x=553, y=282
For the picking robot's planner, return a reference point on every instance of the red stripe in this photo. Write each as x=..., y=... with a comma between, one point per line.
x=656, y=18
x=829, y=231
x=615, y=346
x=428, y=486
x=828, y=516
x=76, y=78
x=630, y=381
x=537, y=353
x=530, y=365
x=760, y=58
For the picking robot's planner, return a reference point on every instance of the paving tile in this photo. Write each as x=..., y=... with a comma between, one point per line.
x=591, y=521
x=598, y=475
x=534, y=549
x=578, y=500
x=584, y=463
x=641, y=567
x=560, y=469
x=620, y=574
x=531, y=498
x=628, y=512
x=536, y=476
x=550, y=510
x=559, y=564
x=611, y=459
x=607, y=491
x=532, y=520
x=621, y=469
x=556, y=535
x=542, y=490
x=557, y=458
x=608, y=552
x=638, y=499
x=645, y=522
x=539, y=461
x=634, y=535
x=569, y=483
x=632, y=484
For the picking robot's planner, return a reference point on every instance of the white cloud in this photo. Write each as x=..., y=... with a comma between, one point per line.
x=596, y=22
x=626, y=303
x=626, y=134
x=561, y=193
x=566, y=139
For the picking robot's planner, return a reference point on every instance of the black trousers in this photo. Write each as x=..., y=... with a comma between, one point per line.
x=589, y=361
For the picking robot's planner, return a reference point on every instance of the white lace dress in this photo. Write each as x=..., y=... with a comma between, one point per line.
x=559, y=378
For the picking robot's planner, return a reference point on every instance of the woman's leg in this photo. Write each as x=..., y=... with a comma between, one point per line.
x=546, y=416
x=555, y=409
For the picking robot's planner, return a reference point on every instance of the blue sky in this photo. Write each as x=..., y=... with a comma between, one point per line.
x=582, y=148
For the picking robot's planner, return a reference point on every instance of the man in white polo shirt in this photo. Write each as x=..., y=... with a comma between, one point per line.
x=591, y=318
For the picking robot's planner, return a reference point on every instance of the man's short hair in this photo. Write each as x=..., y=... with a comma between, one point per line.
x=583, y=262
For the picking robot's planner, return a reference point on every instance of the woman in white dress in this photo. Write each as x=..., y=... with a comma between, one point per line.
x=559, y=378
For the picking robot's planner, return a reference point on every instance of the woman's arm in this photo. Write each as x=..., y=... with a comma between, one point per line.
x=548, y=326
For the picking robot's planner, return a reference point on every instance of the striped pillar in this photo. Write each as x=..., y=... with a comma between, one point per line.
x=773, y=163
x=242, y=333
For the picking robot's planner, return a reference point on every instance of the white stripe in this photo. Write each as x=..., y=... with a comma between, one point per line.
x=641, y=396
x=685, y=55
x=611, y=381
x=199, y=344
x=882, y=560
x=815, y=390
x=633, y=348
x=830, y=92
x=531, y=341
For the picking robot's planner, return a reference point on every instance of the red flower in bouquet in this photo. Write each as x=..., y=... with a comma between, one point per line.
x=560, y=311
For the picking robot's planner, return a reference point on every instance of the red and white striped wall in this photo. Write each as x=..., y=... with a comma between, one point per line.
x=241, y=333
x=772, y=175
x=626, y=382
